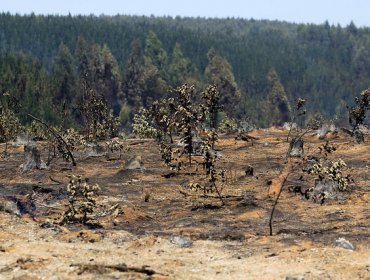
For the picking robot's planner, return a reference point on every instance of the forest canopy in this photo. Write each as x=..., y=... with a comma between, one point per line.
x=47, y=62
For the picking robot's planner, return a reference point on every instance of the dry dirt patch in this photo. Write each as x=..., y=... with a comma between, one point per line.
x=227, y=242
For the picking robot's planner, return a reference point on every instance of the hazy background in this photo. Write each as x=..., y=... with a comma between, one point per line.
x=298, y=11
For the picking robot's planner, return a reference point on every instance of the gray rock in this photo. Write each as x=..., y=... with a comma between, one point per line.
x=96, y=150
x=323, y=131
x=326, y=186
x=364, y=129
x=10, y=207
x=246, y=126
x=359, y=136
x=32, y=158
x=296, y=277
x=196, y=142
x=296, y=148
x=181, y=241
x=214, y=154
x=135, y=163
x=344, y=243
x=23, y=139
x=288, y=126
x=249, y=170
x=326, y=189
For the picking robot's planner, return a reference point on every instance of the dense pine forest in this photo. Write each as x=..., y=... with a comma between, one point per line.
x=47, y=62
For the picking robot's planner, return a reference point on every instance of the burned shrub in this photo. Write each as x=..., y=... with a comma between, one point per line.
x=97, y=117
x=81, y=200
x=114, y=145
x=56, y=143
x=142, y=125
x=330, y=180
x=161, y=113
x=170, y=156
x=211, y=97
x=10, y=126
x=187, y=117
x=357, y=115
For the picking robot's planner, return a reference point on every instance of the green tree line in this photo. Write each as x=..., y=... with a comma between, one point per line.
x=259, y=67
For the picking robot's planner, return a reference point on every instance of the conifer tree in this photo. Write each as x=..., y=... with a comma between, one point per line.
x=219, y=72
x=133, y=84
x=181, y=70
x=155, y=69
x=63, y=84
x=277, y=106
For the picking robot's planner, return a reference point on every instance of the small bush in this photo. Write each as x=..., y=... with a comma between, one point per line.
x=142, y=126
x=333, y=172
x=82, y=200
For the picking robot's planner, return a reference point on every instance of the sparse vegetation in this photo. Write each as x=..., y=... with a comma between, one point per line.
x=114, y=145
x=76, y=102
x=10, y=125
x=57, y=142
x=332, y=172
x=358, y=114
x=188, y=116
x=81, y=200
x=141, y=125
x=212, y=106
x=99, y=122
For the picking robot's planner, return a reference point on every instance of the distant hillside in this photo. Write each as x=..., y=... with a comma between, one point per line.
x=328, y=65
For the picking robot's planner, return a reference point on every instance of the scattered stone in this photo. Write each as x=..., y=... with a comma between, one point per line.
x=33, y=158
x=359, y=136
x=297, y=277
x=23, y=139
x=112, y=156
x=296, y=148
x=364, y=129
x=197, y=143
x=96, y=150
x=289, y=126
x=245, y=137
x=249, y=170
x=344, y=243
x=326, y=128
x=10, y=207
x=214, y=154
x=181, y=241
x=323, y=131
x=326, y=189
x=54, y=277
x=246, y=126
x=135, y=163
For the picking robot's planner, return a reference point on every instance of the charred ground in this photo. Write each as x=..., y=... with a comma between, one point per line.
x=140, y=211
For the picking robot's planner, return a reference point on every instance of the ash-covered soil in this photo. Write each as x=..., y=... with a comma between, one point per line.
x=149, y=225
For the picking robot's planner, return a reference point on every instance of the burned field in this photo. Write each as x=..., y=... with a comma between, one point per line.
x=151, y=222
